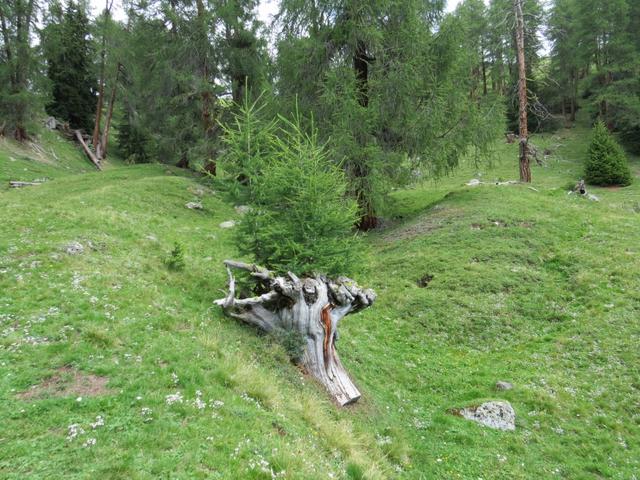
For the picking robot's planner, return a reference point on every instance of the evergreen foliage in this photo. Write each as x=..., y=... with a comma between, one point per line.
x=301, y=218
x=596, y=55
x=20, y=98
x=248, y=142
x=175, y=260
x=132, y=141
x=606, y=163
x=390, y=95
x=69, y=56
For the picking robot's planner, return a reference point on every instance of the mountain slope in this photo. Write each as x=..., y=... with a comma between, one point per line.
x=476, y=285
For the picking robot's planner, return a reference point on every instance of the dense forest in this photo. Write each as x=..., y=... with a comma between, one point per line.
x=190, y=191
x=393, y=88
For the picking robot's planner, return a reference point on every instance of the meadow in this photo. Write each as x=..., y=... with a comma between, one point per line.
x=113, y=365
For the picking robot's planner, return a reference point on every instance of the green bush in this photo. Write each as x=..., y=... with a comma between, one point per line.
x=175, y=260
x=606, y=163
x=301, y=218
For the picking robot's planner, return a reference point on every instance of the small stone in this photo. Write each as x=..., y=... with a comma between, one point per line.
x=74, y=248
x=242, y=209
x=498, y=415
x=194, y=206
x=591, y=196
x=228, y=224
x=504, y=385
x=473, y=182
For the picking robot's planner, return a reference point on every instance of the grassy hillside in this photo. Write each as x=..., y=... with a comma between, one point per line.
x=49, y=156
x=527, y=285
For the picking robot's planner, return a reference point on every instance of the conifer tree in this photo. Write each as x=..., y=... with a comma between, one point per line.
x=606, y=163
x=18, y=97
x=69, y=55
x=389, y=94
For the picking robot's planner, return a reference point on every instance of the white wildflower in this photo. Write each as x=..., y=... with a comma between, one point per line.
x=175, y=378
x=174, y=398
x=98, y=423
x=74, y=430
x=89, y=443
x=217, y=404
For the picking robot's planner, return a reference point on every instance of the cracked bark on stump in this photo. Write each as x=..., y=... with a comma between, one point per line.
x=311, y=306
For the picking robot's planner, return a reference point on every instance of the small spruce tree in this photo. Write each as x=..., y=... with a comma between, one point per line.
x=606, y=163
x=302, y=217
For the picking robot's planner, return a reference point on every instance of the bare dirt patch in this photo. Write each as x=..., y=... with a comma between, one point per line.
x=67, y=382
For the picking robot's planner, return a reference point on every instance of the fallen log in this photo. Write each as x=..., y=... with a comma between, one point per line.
x=309, y=308
x=86, y=149
x=19, y=184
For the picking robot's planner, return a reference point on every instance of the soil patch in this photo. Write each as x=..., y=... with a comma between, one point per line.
x=67, y=382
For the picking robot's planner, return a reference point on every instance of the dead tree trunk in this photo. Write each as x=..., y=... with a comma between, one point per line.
x=525, y=168
x=312, y=307
x=87, y=150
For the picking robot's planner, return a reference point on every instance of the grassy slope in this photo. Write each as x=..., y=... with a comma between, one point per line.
x=534, y=287
x=50, y=157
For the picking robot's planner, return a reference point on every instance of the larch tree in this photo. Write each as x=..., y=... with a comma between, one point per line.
x=388, y=90
x=525, y=168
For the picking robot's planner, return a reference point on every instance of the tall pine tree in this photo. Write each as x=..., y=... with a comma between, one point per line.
x=69, y=55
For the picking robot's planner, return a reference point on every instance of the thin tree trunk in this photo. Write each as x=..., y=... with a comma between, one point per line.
x=207, y=124
x=361, y=170
x=484, y=79
x=310, y=309
x=107, y=126
x=103, y=61
x=525, y=167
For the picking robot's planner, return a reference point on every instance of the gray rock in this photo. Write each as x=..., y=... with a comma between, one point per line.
x=504, y=385
x=473, y=182
x=194, y=205
x=228, y=224
x=51, y=123
x=591, y=196
x=74, y=248
x=498, y=415
x=242, y=209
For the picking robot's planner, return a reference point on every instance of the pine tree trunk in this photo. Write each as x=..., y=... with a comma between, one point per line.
x=361, y=170
x=311, y=308
x=525, y=167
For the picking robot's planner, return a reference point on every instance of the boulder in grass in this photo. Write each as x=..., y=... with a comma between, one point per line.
x=228, y=224
x=501, y=385
x=74, y=248
x=194, y=206
x=498, y=415
x=242, y=209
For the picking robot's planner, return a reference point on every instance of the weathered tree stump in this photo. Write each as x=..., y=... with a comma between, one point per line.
x=312, y=307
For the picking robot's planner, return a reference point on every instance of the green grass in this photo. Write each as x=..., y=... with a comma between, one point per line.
x=531, y=286
x=49, y=156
